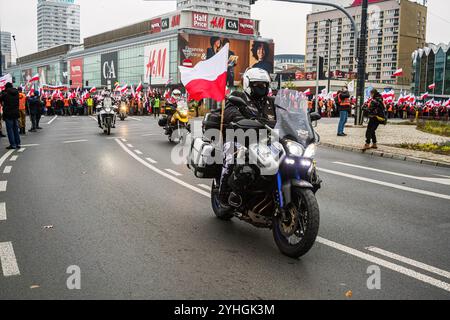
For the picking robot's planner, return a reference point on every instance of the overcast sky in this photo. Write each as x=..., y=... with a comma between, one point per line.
x=283, y=22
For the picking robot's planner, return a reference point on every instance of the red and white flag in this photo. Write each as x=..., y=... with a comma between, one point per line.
x=34, y=78
x=424, y=96
x=432, y=86
x=307, y=92
x=94, y=89
x=398, y=73
x=139, y=87
x=208, y=79
x=124, y=89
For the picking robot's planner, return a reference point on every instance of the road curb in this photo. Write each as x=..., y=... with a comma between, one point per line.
x=377, y=153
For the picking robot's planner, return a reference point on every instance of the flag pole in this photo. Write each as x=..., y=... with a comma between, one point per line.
x=221, y=122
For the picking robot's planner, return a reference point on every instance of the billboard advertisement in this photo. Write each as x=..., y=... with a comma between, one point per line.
x=243, y=54
x=43, y=73
x=76, y=73
x=157, y=63
x=109, y=68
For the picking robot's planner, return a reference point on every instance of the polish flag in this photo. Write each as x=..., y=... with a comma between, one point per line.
x=424, y=96
x=139, y=87
x=307, y=92
x=34, y=78
x=94, y=89
x=124, y=89
x=432, y=86
x=398, y=73
x=208, y=78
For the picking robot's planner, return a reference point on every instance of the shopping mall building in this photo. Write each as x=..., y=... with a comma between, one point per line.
x=150, y=52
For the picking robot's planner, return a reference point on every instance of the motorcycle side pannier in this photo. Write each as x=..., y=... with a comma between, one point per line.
x=202, y=160
x=162, y=122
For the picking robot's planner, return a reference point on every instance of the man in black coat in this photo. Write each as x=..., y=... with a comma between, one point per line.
x=35, y=107
x=9, y=99
x=377, y=115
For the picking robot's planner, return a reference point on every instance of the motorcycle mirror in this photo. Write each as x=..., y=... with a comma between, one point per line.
x=315, y=116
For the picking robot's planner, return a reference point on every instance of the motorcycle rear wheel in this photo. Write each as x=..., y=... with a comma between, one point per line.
x=301, y=242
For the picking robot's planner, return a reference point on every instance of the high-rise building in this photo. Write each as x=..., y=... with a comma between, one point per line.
x=236, y=8
x=58, y=23
x=6, y=49
x=395, y=29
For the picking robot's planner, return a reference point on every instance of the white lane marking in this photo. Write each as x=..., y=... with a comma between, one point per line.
x=204, y=186
x=442, y=176
x=138, y=152
x=348, y=250
x=3, y=185
x=93, y=118
x=176, y=174
x=21, y=150
x=435, y=180
x=162, y=173
x=5, y=156
x=130, y=145
x=7, y=170
x=30, y=145
x=150, y=134
x=8, y=260
x=387, y=184
x=53, y=119
x=74, y=141
x=2, y=211
x=123, y=140
x=151, y=160
x=136, y=119
x=386, y=264
x=411, y=262
x=14, y=158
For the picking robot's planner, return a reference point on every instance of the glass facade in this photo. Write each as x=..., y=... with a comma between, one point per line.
x=447, y=74
x=131, y=64
x=439, y=71
x=432, y=66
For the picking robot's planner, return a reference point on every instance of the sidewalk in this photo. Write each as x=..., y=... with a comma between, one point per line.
x=388, y=136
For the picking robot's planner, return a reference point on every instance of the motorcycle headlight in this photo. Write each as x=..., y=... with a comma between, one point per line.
x=294, y=149
x=310, y=152
x=184, y=113
x=107, y=109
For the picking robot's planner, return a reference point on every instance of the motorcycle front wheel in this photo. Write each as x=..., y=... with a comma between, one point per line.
x=225, y=214
x=295, y=237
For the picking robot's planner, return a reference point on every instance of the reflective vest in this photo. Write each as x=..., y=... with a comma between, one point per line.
x=345, y=102
x=22, y=101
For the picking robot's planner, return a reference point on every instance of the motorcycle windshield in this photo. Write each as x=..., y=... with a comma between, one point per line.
x=293, y=121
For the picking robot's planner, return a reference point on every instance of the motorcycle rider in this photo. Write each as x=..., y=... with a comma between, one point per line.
x=106, y=95
x=171, y=107
x=256, y=85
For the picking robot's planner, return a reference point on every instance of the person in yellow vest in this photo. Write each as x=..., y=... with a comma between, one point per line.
x=90, y=105
x=22, y=111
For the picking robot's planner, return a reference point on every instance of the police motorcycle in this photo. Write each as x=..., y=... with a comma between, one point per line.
x=106, y=113
x=275, y=180
x=176, y=119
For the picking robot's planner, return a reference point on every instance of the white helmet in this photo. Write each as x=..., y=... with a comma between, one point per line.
x=176, y=94
x=256, y=75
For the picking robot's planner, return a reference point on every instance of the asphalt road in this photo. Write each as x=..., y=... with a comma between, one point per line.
x=140, y=227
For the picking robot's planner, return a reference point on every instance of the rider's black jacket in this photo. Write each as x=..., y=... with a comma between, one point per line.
x=264, y=109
